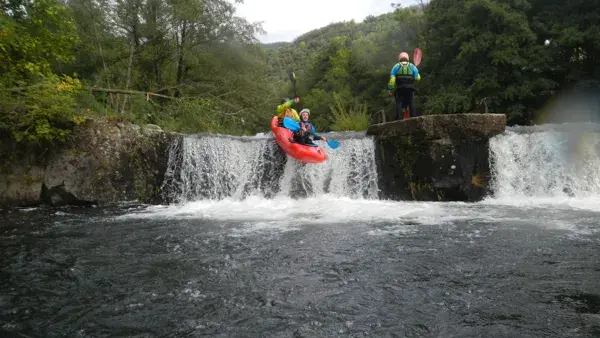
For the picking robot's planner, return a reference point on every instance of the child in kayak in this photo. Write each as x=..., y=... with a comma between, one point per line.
x=285, y=110
x=307, y=130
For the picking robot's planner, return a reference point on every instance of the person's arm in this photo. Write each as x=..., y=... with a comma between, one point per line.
x=284, y=106
x=315, y=135
x=415, y=72
x=295, y=115
x=392, y=81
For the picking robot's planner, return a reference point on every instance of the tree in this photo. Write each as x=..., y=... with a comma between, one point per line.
x=481, y=52
x=33, y=36
x=37, y=105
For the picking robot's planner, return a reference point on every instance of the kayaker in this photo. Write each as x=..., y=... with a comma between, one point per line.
x=285, y=110
x=307, y=130
x=402, y=77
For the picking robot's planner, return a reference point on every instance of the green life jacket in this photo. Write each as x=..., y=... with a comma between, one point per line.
x=404, y=76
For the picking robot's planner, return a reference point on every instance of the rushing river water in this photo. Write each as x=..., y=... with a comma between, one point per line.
x=309, y=251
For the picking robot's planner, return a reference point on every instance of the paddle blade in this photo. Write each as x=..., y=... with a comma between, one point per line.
x=292, y=77
x=417, y=56
x=333, y=144
x=291, y=124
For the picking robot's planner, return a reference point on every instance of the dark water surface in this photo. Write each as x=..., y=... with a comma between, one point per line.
x=89, y=273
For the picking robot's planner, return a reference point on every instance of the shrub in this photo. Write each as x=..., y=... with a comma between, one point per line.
x=41, y=113
x=350, y=117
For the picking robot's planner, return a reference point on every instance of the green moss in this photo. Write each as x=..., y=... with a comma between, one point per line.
x=408, y=150
x=405, y=155
x=74, y=152
x=99, y=178
x=142, y=171
x=5, y=165
x=135, y=165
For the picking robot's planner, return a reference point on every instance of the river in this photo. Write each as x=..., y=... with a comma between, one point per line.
x=255, y=247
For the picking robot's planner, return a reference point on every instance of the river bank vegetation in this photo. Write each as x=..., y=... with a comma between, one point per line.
x=194, y=66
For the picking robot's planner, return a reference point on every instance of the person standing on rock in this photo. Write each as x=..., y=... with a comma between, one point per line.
x=402, y=77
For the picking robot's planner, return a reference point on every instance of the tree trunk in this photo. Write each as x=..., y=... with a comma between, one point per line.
x=180, y=59
x=129, y=67
x=111, y=97
x=153, y=36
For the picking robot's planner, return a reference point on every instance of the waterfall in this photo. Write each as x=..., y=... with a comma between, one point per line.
x=218, y=167
x=548, y=161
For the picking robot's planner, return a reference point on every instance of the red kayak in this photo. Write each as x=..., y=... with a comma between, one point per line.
x=301, y=152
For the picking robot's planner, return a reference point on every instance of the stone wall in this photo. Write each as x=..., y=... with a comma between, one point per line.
x=432, y=158
x=436, y=157
x=103, y=162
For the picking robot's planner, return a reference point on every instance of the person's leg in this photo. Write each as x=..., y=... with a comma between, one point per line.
x=309, y=140
x=405, y=111
x=297, y=137
x=399, y=100
x=404, y=98
x=410, y=102
x=302, y=137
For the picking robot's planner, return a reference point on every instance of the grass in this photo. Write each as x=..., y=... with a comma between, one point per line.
x=352, y=117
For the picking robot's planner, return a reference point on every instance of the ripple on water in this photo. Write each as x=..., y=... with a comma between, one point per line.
x=394, y=268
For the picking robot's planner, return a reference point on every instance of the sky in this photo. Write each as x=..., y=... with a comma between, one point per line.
x=285, y=20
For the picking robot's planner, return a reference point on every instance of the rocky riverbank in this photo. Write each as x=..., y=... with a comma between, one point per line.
x=103, y=162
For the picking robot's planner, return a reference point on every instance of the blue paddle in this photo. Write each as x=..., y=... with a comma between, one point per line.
x=295, y=126
x=333, y=144
x=291, y=124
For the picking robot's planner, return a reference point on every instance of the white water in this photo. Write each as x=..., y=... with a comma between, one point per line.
x=215, y=168
x=549, y=165
x=548, y=176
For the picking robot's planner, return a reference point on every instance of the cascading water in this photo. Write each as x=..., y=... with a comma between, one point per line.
x=545, y=162
x=218, y=167
x=532, y=163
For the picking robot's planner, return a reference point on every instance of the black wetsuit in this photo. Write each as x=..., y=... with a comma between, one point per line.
x=404, y=95
x=306, y=137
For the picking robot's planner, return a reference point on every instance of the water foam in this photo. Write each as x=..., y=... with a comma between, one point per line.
x=323, y=209
x=547, y=175
x=217, y=167
x=257, y=214
x=549, y=165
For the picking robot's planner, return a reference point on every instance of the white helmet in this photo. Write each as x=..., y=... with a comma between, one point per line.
x=305, y=110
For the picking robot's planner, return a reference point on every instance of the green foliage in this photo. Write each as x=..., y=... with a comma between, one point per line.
x=41, y=114
x=493, y=45
x=194, y=51
x=348, y=117
x=37, y=106
x=193, y=116
x=478, y=55
x=351, y=60
x=33, y=36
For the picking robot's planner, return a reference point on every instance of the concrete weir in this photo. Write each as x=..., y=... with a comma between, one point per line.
x=435, y=157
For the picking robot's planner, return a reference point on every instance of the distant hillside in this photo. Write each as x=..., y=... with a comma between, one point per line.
x=275, y=45
x=303, y=51
x=500, y=56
